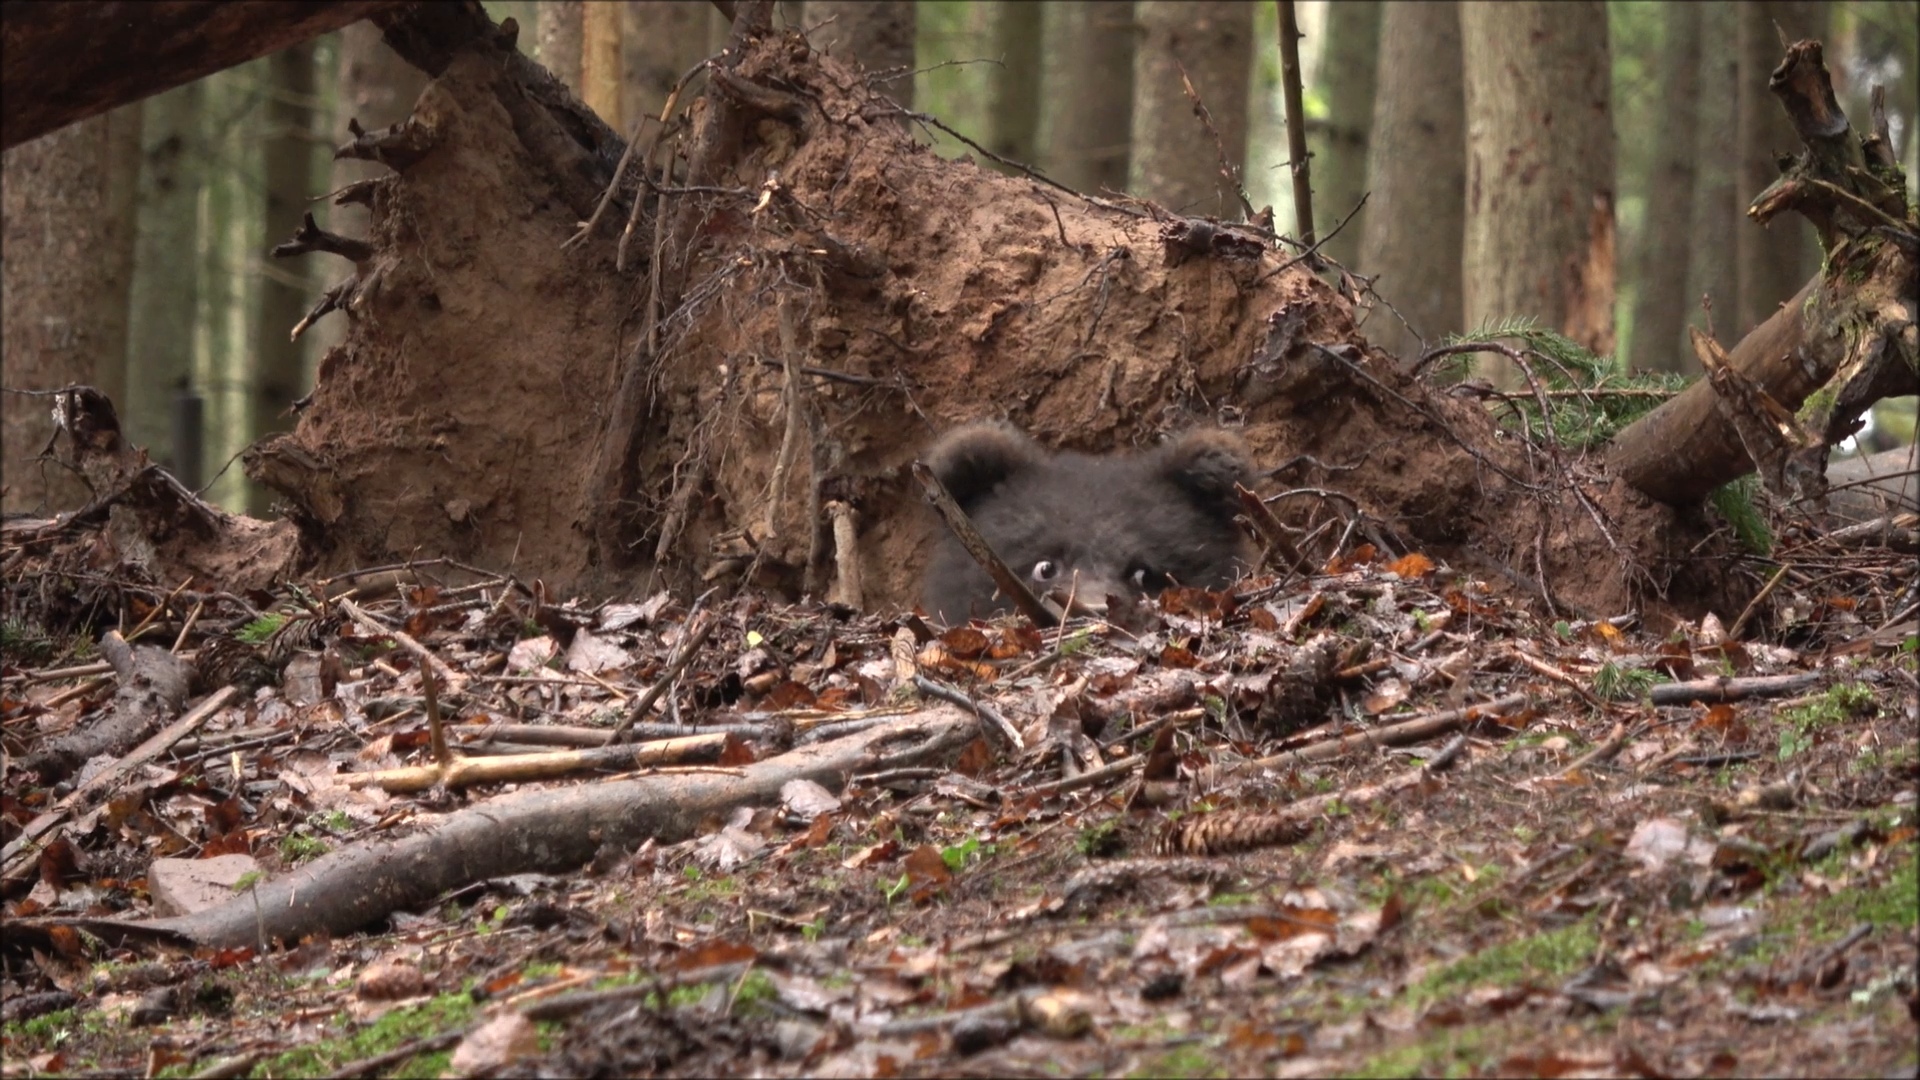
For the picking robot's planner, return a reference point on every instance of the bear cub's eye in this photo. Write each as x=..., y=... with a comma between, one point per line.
x=1138, y=578
x=1045, y=570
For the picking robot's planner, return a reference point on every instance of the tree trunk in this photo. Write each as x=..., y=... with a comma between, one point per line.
x=659, y=41
x=1417, y=173
x=1013, y=108
x=1719, y=209
x=874, y=34
x=284, y=296
x=600, y=53
x=1772, y=262
x=1539, y=224
x=1660, y=299
x=66, y=62
x=1348, y=64
x=1176, y=160
x=162, y=295
x=562, y=48
x=69, y=251
x=1086, y=112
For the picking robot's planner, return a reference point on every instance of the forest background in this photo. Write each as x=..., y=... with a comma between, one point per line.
x=137, y=243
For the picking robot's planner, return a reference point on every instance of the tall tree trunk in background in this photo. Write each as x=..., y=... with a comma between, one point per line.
x=1719, y=211
x=161, y=296
x=659, y=41
x=1013, y=110
x=600, y=73
x=1772, y=262
x=1417, y=172
x=68, y=226
x=1086, y=109
x=562, y=46
x=284, y=296
x=875, y=34
x=1539, y=229
x=1348, y=65
x=1175, y=159
x=1660, y=299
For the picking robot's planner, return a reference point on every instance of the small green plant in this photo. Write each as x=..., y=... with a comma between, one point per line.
x=1615, y=683
x=959, y=855
x=1076, y=641
x=298, y=848
x=1099, y=840
x=24, y=643
x=259, y=630
x=892, y=889
x=1735, y=503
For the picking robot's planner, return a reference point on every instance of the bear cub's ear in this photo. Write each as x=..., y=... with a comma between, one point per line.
x=973, y=460
x=1205, y=465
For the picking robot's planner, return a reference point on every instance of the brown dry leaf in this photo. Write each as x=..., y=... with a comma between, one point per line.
x=926, y=867
x=1675, y=659
x=1388, y=694
x=390, y=978
x=712, y=953
x=504, y=1039
x=964, y=642
x=1176, y=656
x=871, y=855
x=790, y=695
x=1411, y=566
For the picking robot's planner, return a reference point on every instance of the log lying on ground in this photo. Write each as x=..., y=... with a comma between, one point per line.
x=548, y=831
x=1853, y=326
x=153, y=686
x=66, y=62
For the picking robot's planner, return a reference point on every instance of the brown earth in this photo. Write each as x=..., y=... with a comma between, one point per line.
x=466, y=410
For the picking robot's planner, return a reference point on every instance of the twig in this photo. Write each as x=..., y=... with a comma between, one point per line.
x=982, y=552
x=1296, y=121
x=995, y=723
x=119, y=770
x=453, y=679
x=1753, y=605
x=1415, y=730
x=682, y=657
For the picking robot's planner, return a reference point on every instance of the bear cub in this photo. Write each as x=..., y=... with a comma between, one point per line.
x=1124, y=525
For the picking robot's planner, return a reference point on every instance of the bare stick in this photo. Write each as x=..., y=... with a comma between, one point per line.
x=846, y=553
x=982, y=552
x=682, y=657
x=358, y=614
x=1296, y=121
x=1415, y=730
x=119, y=771
x=1270, y=530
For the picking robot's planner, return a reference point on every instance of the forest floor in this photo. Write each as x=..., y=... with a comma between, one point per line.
x=1602, y=853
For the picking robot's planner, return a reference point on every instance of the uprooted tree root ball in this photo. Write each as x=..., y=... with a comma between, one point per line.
x=812, y=296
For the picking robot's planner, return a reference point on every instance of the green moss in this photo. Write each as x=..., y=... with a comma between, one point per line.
x=1448, y=1052
x=447, y=1012
x=1188, y=1060
x=1548, y=955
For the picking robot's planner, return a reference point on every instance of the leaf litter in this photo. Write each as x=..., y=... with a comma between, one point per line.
x=1377, y=819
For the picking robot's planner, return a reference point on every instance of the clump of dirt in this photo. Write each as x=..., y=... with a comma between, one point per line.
x=847, y=295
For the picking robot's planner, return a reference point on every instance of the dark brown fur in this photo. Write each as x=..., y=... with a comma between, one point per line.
x=1125, y=524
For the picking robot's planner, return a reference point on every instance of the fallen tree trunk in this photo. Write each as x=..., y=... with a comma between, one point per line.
x=550, y=831
x=1852, y=327
x=66, y=62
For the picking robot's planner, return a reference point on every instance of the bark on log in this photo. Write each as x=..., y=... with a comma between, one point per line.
x=153, y=685
x=549, y=831
x=66, y=62
x=1854, y=324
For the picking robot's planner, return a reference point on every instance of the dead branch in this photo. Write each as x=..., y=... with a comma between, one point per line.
x=1041, y=614
x=551, y=831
